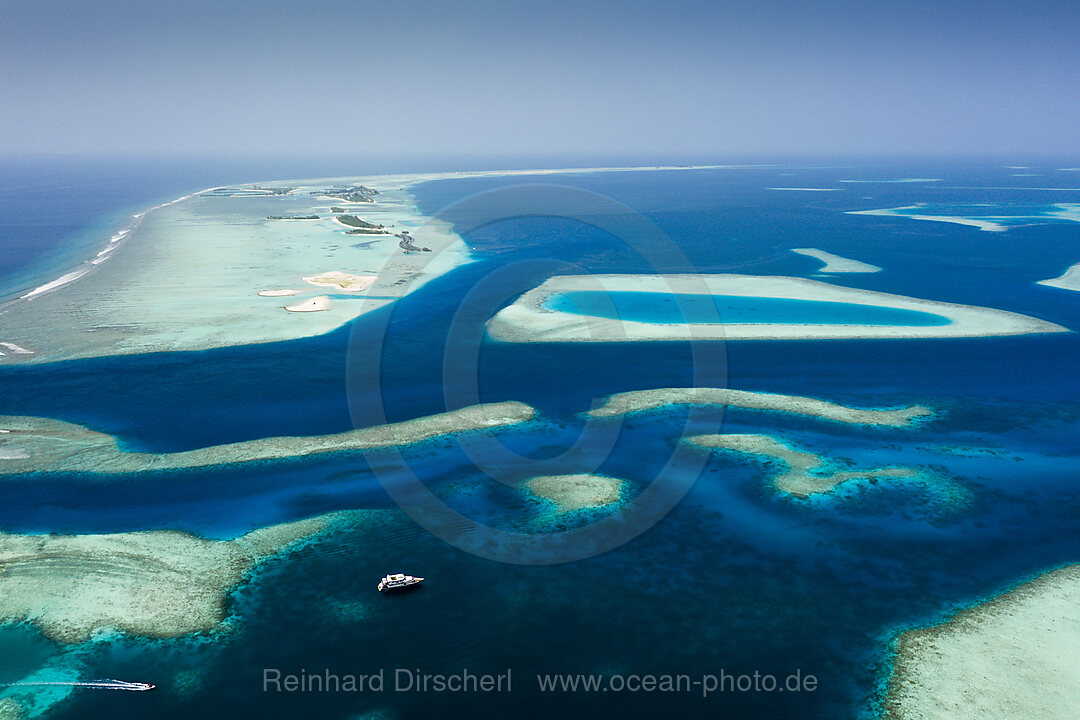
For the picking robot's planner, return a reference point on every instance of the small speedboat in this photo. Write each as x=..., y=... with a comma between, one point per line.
x=398, y=581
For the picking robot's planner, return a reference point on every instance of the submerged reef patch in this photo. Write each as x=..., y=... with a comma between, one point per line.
x=572, y=493
x=161, y=583
x=804, y=473
x=35, y=444
x=642, y=400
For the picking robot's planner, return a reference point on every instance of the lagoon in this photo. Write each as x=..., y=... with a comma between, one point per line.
x=669, y=308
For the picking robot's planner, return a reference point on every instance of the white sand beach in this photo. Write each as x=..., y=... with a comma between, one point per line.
x=1069, y=280
x=835, y=263
x=1015, y=657
x=315, y=304
x=47, y=445
x=527, y=320
x=276, y=293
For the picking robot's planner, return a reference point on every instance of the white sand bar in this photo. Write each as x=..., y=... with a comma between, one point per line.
x=987, y=225
x=835, y=263
x=277, y=293
x=571, y=493
x=527, y=320
x=315, y=304
x=46, y=445
x=644, y=400
x=157, y=583
x=1016, y=657
x=803, y=473
x=1069, y=280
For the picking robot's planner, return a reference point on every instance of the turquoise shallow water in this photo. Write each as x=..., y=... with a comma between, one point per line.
x=666, y=308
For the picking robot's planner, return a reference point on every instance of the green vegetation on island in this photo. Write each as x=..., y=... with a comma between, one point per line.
x=292, y=217
x=337, y=210
x=353, y=193
x=363, y=227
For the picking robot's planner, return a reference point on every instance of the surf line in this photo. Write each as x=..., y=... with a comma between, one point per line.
x=107, y=684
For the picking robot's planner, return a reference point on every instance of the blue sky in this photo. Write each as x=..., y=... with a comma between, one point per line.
x=767, y=77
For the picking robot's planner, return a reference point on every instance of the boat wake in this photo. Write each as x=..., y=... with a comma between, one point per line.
x=106, y=684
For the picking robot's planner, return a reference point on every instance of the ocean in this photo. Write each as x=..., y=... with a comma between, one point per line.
x=737, y=579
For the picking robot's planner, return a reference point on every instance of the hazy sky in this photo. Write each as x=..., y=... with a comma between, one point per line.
x=768, y=76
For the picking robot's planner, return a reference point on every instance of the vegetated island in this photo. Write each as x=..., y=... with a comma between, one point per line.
x=352, y=193
x=249, y=191
x=1013, y=657
x=361, y=227
x=158, y=583
x=292, y=217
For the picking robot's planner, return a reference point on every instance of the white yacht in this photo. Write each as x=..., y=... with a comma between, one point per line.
x=398, y=582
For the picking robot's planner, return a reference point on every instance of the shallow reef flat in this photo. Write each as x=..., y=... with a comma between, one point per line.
x=643, y=400
x=202, y=271
x=1006, y=216
x=1014, y=657
x=189, y=274
x=34, y=445
x=572, y=493
x=156, y=583
x=804, y=473
x=529, y=320
x=836, y=263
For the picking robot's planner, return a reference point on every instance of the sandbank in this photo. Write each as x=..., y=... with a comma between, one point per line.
x=276, y=293
x=315, y=304
x=571, y=493
x=1012, y=658
x=642, y=400
x=892, y=182
x=527, y=320
x=835, y=263
x=342, y=281
x=46, y=445
x=155, y=583
x=803, y=474
x=982, y=224
x=1069, y=280
x=794, y=189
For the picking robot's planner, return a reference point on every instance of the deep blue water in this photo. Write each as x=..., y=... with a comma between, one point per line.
x=666, y=308
x=765, y=583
